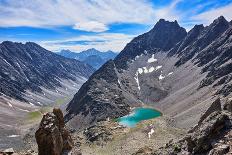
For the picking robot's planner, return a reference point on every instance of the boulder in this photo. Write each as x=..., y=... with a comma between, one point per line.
x=52, y=137
x=215, y=106
x=221, y=149
x=143, y=151
x=9, y=151
x=228, y=105
x=209, y=129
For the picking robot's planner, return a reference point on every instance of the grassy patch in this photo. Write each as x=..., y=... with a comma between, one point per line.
x=36, y=116
x=61, y=101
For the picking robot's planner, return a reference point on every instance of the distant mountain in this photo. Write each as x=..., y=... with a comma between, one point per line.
x=94, y=60
x=167, y=68
x=91, y=56
x=29, y=68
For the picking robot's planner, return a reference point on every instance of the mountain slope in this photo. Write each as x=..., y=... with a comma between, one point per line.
x=91, y=56
x=108, y=93
x=29, y=67
x=176, y=72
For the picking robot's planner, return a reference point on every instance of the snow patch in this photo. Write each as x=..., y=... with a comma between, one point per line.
x=140, y=70
x=152, y=59
x=13, y=136
x=24, y=110
x=170, y=73
x=119, y=82
x=150, y=133
x=145, y=70
x=7, y=62
x=31, y=103
x=39, y=103
x=161, y=77
x=158, y=67
x=136, y=57
x=151, y=69
x=10, y=105
x=137, y=79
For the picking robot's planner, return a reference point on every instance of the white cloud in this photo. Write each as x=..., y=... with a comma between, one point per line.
x=92, y=26
x=102, y=41
x=39, y=13
x=169, y=12
x=93, y=15
x=207, y=17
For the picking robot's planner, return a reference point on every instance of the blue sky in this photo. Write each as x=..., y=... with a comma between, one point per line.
x=102, y=24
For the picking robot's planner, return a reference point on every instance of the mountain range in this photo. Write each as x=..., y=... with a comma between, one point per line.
x=29, y=68
x=91, y=56
x=179, y=73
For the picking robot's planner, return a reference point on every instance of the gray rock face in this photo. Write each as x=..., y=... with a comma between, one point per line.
x=164, y=36
x=228, y=105
x=29, y=66
x=214, y=107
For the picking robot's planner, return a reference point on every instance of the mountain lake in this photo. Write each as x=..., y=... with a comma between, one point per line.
x=138, y=115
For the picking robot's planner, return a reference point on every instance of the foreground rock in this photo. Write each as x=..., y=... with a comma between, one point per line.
x=52, y=136
x=212, y=136
x=228, y=105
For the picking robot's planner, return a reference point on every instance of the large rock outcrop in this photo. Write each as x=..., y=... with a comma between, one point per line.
x=52, y=137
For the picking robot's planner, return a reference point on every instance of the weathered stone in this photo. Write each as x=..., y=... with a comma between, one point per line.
x=9, y=150
x=52, y=137
x=143, y=151
x=228, y=105
x=215, y=106
x=209, y=129
x=220, y=150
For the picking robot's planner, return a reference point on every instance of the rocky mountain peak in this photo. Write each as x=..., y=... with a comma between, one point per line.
x=219, y=25
x=220, y=20
x=163, y=22
x=164, y=35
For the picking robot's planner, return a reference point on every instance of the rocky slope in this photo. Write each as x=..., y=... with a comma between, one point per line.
x=29, y=67
x=212, y=135
x=172, y=70
x=91, y=56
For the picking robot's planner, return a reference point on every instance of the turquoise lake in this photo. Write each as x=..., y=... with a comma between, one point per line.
x=138, y=115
